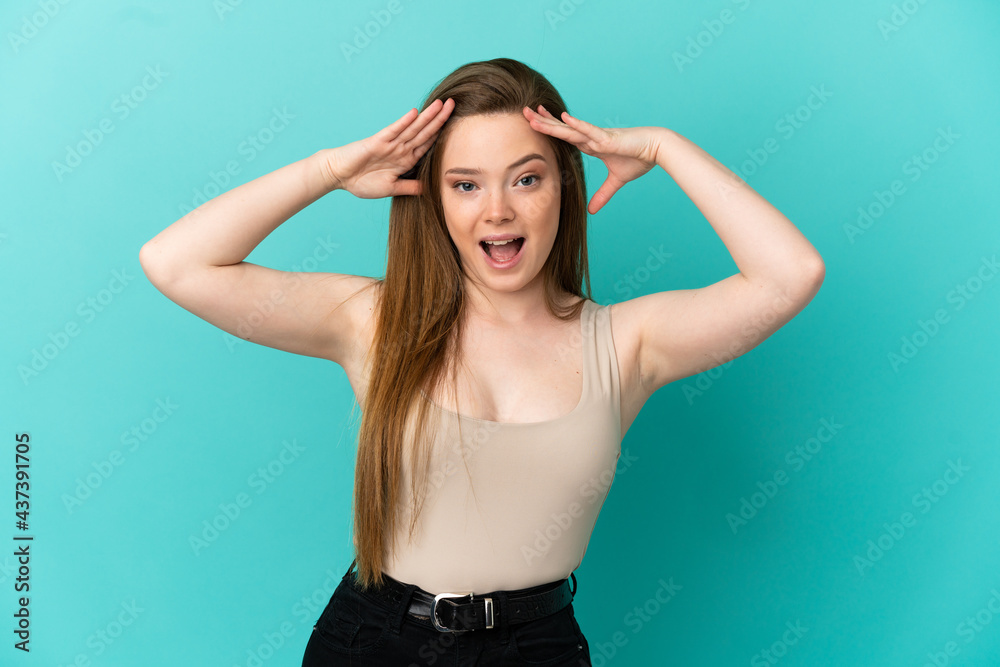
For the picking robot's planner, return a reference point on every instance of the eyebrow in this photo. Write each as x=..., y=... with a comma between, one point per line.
x=478, y=172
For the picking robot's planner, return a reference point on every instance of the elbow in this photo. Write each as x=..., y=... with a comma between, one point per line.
x=146, y=259
x=153, y=264
x=809, y=281
x=800, y=281
x=815, y=272
x=800, y=286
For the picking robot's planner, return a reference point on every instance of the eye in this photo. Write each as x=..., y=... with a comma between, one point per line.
x=458, y=186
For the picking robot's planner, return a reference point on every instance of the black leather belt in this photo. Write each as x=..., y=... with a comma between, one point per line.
x=462, y=612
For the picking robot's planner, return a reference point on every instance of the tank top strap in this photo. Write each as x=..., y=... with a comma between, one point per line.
x=602, y=360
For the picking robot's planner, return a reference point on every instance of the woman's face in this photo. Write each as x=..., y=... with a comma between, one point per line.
x=499, y=178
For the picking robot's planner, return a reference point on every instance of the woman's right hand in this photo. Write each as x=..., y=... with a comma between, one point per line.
x=370, y=168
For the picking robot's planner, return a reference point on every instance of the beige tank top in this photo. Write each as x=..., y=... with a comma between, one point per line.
x=520, y=509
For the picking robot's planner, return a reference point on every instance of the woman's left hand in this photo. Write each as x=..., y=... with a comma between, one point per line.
x=628, y=152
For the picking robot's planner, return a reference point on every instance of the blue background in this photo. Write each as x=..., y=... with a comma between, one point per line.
x=701, y=445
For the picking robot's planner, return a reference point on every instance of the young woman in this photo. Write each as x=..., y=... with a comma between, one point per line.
x=495, y=393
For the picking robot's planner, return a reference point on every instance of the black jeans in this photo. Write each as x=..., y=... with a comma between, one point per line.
x=356, y=628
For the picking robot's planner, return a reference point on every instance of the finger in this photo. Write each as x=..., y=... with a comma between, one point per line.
x=391, y=131
x=429, y=132
x=547, y=118
x=604, y=194
x=559, y=130
x=406, y=187
x=592, y=131
x=418, y=123
x=417, y=154
x=541, y=113
x=423, y=148
x=425, y=117
x=545, y=112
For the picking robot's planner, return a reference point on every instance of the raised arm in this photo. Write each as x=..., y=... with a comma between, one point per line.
x=670, y=335
x=198, y=261
x=683, y=332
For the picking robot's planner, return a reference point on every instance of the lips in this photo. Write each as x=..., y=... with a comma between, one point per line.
x=515, y=244
x=504, y=257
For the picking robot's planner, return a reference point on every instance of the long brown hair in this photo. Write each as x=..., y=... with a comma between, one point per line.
x=421, y=301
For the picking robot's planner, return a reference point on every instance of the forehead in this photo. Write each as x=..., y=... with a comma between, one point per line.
x=492, y=142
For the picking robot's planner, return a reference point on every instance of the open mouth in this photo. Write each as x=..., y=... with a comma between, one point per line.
x=504, y=252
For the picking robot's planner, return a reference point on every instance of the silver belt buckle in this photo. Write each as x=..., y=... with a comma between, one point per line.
x=472, y=597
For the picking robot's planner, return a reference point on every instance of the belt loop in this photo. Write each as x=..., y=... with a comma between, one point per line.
x=573, y=592
x=402, y=605
x=501, y=606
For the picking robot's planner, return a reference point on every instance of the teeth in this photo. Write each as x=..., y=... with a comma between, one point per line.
x=500, y=242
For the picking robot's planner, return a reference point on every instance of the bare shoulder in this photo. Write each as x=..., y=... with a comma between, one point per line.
x=665, y=336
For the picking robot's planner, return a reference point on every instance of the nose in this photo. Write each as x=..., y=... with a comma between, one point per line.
x=498, y=207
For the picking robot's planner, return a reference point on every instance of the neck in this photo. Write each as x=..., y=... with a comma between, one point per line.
x=505, y=308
